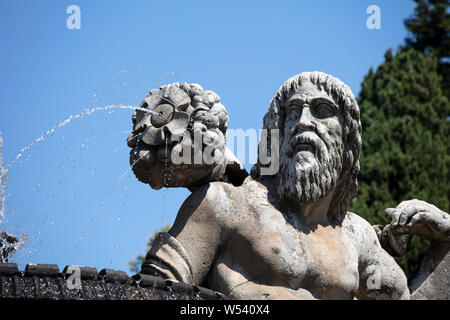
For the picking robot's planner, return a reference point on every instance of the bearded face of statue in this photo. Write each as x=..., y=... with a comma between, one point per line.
x=312, y=148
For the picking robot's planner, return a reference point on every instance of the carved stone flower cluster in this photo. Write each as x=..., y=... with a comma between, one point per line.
x=179, y=112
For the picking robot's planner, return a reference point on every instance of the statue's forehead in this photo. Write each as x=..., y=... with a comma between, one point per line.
x=307, y=91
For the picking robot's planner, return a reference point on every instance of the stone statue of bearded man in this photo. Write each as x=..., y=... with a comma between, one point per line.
x=289, y=235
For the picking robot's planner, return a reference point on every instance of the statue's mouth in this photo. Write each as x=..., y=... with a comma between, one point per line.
x=304, y=147
x=151, y=154
x=306, y=141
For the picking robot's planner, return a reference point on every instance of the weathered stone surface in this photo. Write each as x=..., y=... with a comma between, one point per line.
x=110, y=275
x=41, y=283
x=287, y=234
x=433, y=278
x=86, y=273
x=416, y=217
x=145, y=280
x=8, y=269
x=41, y=270
x=185, y=133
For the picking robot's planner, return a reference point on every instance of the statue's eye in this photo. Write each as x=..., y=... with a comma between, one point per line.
x=295, y=111
x=323, y=110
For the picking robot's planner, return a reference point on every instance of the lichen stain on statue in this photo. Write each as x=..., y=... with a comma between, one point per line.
x=171, y=148
x=287, y=235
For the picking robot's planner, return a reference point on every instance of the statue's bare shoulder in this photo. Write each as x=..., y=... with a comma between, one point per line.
x=206, y=202
x=209, y=210
x=361, y=233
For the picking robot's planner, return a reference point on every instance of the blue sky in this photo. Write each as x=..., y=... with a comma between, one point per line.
x=72, y=193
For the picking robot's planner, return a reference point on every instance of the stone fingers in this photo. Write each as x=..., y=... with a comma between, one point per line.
x=409, y=212
x=392, y=214
x=417, y=218
x=402, y=216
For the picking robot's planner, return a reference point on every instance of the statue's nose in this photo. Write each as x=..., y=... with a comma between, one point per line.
x=164, y=114
x=306, y=119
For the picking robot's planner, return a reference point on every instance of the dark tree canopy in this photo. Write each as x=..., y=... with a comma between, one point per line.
x=405, y=140
x=429, y=29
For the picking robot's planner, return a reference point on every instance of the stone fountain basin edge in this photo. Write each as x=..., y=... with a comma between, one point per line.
x=46, y=282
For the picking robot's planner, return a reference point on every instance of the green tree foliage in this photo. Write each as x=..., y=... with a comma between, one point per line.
x=429, y=29
x=135, y=265
x=405, y=140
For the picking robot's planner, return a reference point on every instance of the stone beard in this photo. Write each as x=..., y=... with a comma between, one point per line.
x=309, y=174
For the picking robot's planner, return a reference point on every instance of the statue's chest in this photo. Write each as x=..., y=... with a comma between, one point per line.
x=332, y=269
x=321, y=260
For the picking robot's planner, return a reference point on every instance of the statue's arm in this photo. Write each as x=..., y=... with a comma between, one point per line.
x=380, y=276
x=414, y=217
x=187, y=251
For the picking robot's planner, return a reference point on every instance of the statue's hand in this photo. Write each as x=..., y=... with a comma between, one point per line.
x=416, y=217
x=395, y=244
